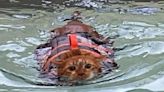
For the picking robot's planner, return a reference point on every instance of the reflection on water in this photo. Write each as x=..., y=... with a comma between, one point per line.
x=137, y=28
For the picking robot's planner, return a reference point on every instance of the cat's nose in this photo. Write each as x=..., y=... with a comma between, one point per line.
x=81, y=74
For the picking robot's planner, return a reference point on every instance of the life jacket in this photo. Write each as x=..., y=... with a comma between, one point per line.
x=65, y=43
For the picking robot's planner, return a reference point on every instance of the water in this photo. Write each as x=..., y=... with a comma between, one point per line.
x=139, y=27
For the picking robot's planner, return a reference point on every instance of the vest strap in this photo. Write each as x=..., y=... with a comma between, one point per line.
x=73, y=41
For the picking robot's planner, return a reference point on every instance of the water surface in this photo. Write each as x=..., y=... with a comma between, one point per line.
x=138, y=28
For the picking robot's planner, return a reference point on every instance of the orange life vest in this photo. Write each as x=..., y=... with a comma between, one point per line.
x=65, y=43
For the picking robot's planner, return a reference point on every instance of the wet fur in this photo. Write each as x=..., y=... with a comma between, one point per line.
x=86, y=67
x=77, y=58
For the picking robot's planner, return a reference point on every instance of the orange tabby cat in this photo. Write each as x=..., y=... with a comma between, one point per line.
x=79, y=68
x=75, y=52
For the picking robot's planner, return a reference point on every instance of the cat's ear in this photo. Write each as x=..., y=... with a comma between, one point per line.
x=57, y=62
x=87, y=54
x=100, y=58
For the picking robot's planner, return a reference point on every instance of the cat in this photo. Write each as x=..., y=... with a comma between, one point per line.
x=75, y=52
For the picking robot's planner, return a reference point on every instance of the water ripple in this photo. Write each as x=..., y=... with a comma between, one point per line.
x=12, y=55
x=12, y=47
x=22, y=16
x=12, y=26
x=130, y=30
x=141, y=62
x=33, y=40
x=146, y=48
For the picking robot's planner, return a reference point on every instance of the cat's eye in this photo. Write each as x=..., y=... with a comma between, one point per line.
x=72, y=68
x=88, y=66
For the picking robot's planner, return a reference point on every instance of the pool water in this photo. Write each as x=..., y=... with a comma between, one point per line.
x=137, y=28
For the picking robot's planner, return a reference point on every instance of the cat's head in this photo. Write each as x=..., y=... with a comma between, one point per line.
x=79, y=68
